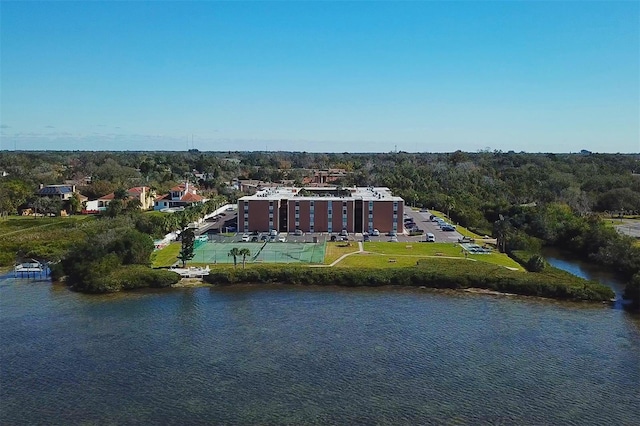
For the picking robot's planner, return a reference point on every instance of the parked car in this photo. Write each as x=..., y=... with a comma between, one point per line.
x=273, y=233
x=254, y=239
x=264, y=238
x=298, y=233
x=344, y=233
x=375, y=233
x=392, y=233
x=246, y=238
x=393, y=239
x=365, y=234
x=430, y=238
x=282, y=239
x=448, y=227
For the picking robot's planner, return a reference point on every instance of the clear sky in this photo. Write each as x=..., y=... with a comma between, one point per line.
x=422, y=76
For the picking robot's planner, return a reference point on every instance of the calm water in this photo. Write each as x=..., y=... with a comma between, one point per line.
x=583, y=269
x=284, y=355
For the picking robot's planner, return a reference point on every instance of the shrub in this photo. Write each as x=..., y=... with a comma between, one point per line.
x=535, y=263
x=436, y=273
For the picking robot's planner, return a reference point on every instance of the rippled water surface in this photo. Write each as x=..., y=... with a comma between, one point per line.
x=285, y=355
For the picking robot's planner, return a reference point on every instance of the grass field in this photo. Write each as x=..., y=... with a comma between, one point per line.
x=388, y=255
x=336, y=249
x=40, y=238
x=166, y=256
x=14, y=224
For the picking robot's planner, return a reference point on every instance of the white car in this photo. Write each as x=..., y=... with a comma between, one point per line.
x=282, y=239
x=375, y=233
x=246, y=238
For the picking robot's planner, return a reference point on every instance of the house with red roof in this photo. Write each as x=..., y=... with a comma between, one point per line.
x=183, y=195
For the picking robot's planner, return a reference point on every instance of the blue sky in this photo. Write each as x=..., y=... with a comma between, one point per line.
x=421, y=76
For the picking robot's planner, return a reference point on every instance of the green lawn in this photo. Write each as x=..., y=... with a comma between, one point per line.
x=14, y=224
x=40, y=238
x=336, y=249
x=383, y=255
x=166, y=256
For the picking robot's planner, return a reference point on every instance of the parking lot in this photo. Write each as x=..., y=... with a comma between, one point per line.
x=420, y=218
x=226, y=222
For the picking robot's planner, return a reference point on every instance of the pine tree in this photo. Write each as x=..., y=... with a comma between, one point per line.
x=187, y=250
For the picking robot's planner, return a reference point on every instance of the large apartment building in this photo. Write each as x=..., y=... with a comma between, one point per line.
x=315, y=209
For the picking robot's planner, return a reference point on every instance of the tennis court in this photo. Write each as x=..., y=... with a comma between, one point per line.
x=215, y=252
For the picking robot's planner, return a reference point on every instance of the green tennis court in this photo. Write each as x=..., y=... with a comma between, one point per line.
x=213, y=252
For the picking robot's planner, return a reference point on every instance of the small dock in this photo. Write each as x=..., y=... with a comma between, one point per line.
x=191, y=272
x=31, y=269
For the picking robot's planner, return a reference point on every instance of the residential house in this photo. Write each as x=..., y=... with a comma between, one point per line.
x=144, y=194
x=181, y=196
x=59, y=192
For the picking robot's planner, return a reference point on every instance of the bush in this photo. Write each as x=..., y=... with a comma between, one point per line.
x=126, y=278
x=535, y=263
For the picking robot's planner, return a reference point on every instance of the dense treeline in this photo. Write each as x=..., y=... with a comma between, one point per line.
x=525, y=200
x=114, y=256
x=432, y=273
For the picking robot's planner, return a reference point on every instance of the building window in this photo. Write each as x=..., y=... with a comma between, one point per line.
x=246, y=215
x=246, y=225
x=270, y=216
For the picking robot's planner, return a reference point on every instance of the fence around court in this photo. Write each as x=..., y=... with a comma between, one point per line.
x=276, y=252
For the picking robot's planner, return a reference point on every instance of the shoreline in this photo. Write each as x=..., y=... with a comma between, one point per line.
x=192, y=283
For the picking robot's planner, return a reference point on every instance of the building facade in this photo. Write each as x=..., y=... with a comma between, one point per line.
x=323, y=209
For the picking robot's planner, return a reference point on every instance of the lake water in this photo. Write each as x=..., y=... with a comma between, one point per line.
x=284, y=355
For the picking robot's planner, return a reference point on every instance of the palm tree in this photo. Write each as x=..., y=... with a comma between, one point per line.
x=235, y=252
x=244, y=252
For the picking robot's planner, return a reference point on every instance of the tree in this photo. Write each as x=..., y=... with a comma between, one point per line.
x=74, y=204
x=187, y=250
x=120, y=194
x=235, y=252
x=133, y=205
x=12, y=195
x=501, y=231
x=114, y=208
x=244, y=252
x=535, y=263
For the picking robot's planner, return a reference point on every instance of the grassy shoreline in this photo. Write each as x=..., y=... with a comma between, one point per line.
x=434, y=273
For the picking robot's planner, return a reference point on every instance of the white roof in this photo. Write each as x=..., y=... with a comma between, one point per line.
x=368, y=193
